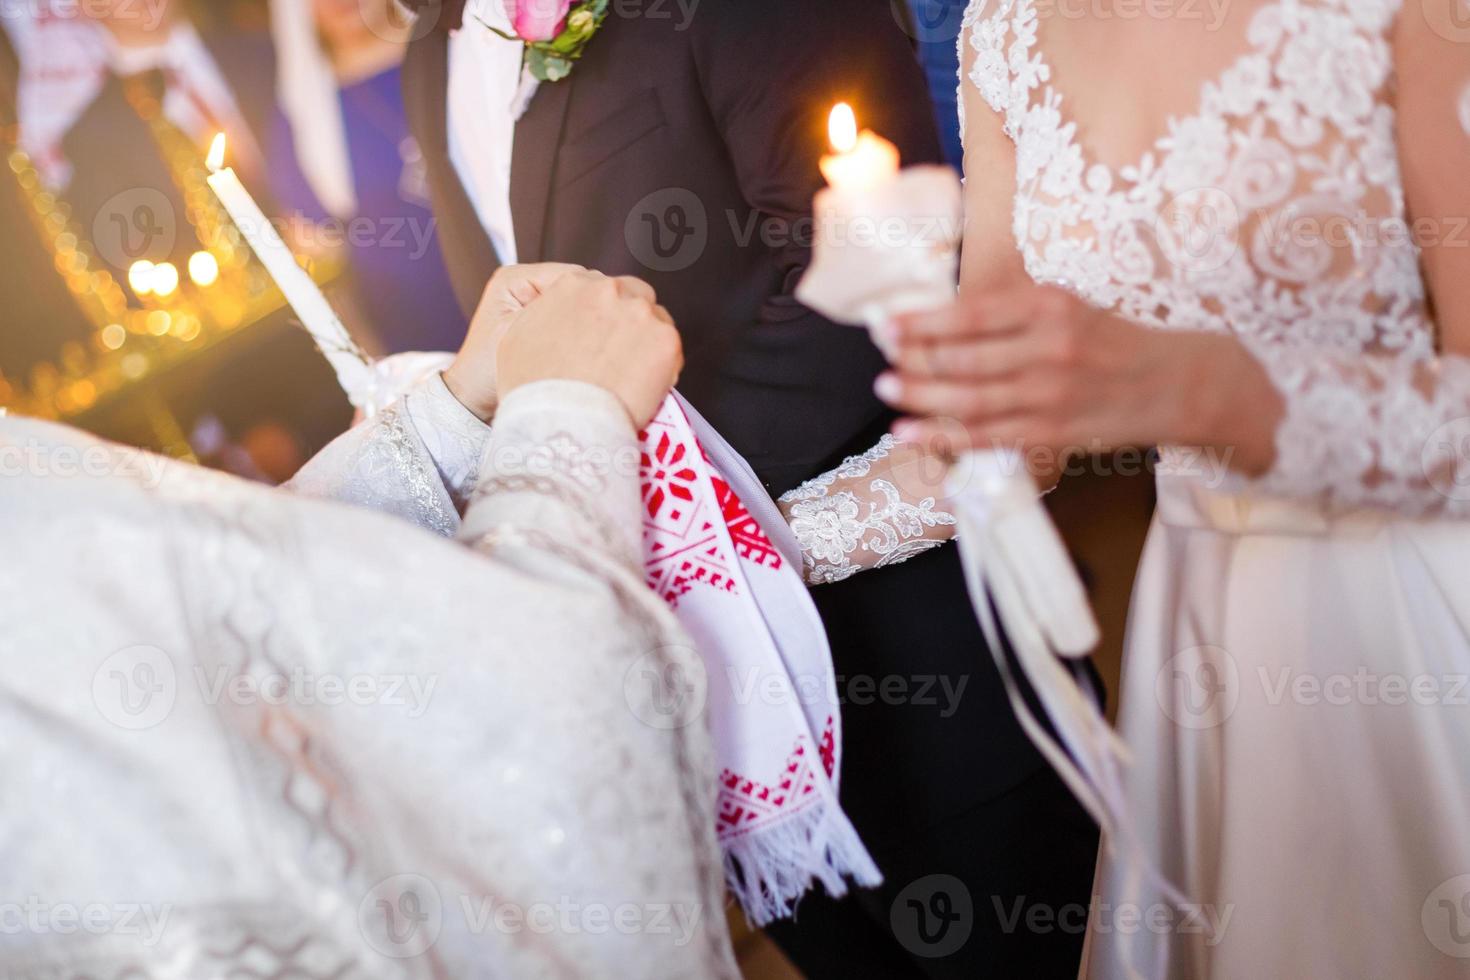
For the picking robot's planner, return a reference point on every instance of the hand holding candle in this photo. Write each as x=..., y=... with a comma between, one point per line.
x=887, y=243
x=886, y=238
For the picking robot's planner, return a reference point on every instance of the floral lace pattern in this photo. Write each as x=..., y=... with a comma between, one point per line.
x=845, y=527
x=1275, y=211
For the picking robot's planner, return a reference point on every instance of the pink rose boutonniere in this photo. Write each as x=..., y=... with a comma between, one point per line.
x=555, y=32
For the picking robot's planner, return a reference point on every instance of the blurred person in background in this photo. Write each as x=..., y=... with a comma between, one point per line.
x=344, y=163
x=107, y=108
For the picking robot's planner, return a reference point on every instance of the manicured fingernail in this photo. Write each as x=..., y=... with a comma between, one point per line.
x=905, y=430
x=887, y=387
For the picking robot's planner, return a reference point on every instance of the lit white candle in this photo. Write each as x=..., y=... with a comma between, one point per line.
x=858, y=160
x=310, y=306
x=886, y=237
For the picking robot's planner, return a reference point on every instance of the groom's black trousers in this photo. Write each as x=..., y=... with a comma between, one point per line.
x=987, y=857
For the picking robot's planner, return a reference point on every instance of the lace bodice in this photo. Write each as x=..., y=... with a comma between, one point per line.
x=1275, y=210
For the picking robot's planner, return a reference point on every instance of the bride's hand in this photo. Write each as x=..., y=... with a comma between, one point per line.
x=471, y=378
x=1037, y=367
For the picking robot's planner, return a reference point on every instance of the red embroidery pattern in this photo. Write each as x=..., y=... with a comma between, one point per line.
x=681, y=542
x=750, y=538
x=745, y=804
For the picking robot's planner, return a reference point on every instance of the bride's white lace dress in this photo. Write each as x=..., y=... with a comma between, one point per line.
x=1294, y=689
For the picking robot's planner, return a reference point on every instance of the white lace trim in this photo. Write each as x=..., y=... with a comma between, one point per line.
x=849, y=529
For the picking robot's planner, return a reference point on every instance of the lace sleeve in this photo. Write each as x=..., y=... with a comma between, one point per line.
x=1371, y=431
x=874, y=510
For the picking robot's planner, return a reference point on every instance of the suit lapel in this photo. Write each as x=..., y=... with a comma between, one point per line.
x=533, y=165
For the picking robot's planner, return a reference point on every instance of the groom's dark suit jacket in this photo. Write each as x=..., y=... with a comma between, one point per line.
x=717, y=125
x=706, y=134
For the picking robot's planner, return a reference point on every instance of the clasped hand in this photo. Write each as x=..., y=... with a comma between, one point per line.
x=555, y=321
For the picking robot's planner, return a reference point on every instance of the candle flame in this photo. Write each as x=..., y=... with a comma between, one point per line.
x=842, y=128
x=216, y=158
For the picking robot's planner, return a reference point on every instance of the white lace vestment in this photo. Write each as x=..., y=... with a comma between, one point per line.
x=1275, y=211
x=510, y=816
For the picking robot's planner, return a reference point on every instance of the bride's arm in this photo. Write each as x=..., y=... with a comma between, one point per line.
x=1383, y=431
x=875, y=510
x=887, y=505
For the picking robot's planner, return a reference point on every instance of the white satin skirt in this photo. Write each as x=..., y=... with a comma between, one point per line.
x=1296, y=696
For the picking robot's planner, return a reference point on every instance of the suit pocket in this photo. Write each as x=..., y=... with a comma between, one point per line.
x=584, y=152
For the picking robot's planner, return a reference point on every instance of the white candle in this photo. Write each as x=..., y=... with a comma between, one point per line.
x=310, y=306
